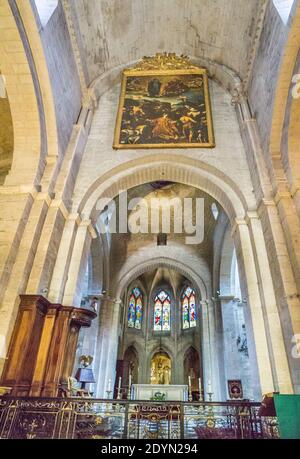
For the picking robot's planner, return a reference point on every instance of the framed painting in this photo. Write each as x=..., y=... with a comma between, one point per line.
x=235, y=389
x=164, y=107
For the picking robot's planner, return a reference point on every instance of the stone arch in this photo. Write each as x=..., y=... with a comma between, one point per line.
x=99, y=264
x=131, y=272
x=282, y=98
x=179, y=168
x=191, y=356
x=222, y=74
x=21, y=93
x=30, y=96
x=291, y=137
x=156, y=349
x=131, y=355
x=162, y=166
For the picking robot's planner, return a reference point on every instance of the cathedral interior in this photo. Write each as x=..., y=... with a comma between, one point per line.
x=185, y=110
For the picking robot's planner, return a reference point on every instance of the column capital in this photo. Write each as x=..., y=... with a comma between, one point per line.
x=237, y=222
x=280, y=195
x=59, y=204
x=251, y=215
x=295, y=188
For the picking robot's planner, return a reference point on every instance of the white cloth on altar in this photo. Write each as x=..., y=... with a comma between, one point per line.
x=172, y=392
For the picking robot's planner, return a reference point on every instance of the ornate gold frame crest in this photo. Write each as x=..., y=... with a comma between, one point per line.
x=168, y=64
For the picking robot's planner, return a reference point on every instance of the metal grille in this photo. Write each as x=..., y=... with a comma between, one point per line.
x=85, y=418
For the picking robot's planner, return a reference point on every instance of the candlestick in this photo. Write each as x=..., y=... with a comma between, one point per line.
x=190, y=389
x=200, y=389
x=119, y=389
x=129, y=388
x=109, y=386
x=209, y=386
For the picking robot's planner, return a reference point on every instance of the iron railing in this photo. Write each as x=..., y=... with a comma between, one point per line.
x=86, y=418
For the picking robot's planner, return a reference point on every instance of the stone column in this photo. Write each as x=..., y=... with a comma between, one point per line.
x=209, y=351
x=111, y=365
x=279, y=361
x=25, y=343
x=284, y=284
x=258, y=345
x=20, y=269
x=76, y=271
x=218, y=302
x=64, y=254
x=107, y=343
x=47, y=249
x=234, y=363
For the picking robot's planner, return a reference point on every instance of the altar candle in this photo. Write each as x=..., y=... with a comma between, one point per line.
x=209, y=387
x=120, y=381
x=129, y=382
x=190, y=381
x=200, y=386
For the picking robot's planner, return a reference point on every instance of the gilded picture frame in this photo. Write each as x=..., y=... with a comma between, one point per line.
x=169, y=117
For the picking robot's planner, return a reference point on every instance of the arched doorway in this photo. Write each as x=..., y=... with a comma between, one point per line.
x=192, y=369
x=160, y=368
x=131, y=366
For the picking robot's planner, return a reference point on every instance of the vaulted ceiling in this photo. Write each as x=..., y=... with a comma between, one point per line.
x=124, y=245
x=115, y=32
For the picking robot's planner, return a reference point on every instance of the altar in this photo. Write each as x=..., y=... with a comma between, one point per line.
x=161, y=392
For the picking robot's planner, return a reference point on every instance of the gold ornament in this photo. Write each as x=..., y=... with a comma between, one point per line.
x=165, y=61
x=85, y=360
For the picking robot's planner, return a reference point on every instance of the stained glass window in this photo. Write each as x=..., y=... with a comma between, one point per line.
x=188, y=305
x=135, y=309
x=162, y=309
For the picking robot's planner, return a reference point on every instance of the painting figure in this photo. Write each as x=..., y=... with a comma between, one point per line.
x=160, y=369
x=185, y=315
x=164, y=128
x=157, y=318
x=187, y=127
x=154, y=87
x=131, y=313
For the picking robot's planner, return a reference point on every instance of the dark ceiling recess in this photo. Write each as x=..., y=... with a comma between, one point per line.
x=160, y=184
x=162, y=239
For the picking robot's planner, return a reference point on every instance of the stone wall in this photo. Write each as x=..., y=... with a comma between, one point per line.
x=63, y=74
